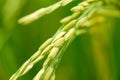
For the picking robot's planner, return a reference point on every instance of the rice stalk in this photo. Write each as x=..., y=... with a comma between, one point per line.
x=42, y=12
x=73, y=25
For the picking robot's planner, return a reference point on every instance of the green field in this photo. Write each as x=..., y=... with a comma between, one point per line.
x=84, y=46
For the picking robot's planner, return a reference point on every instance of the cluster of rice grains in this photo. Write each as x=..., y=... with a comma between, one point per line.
x=73, y=25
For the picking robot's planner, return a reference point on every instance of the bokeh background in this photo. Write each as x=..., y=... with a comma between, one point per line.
x=94, y=55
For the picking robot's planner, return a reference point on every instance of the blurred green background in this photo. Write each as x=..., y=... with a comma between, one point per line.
x=91, y=56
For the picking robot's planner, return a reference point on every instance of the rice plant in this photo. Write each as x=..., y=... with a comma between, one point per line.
x=86, y=15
